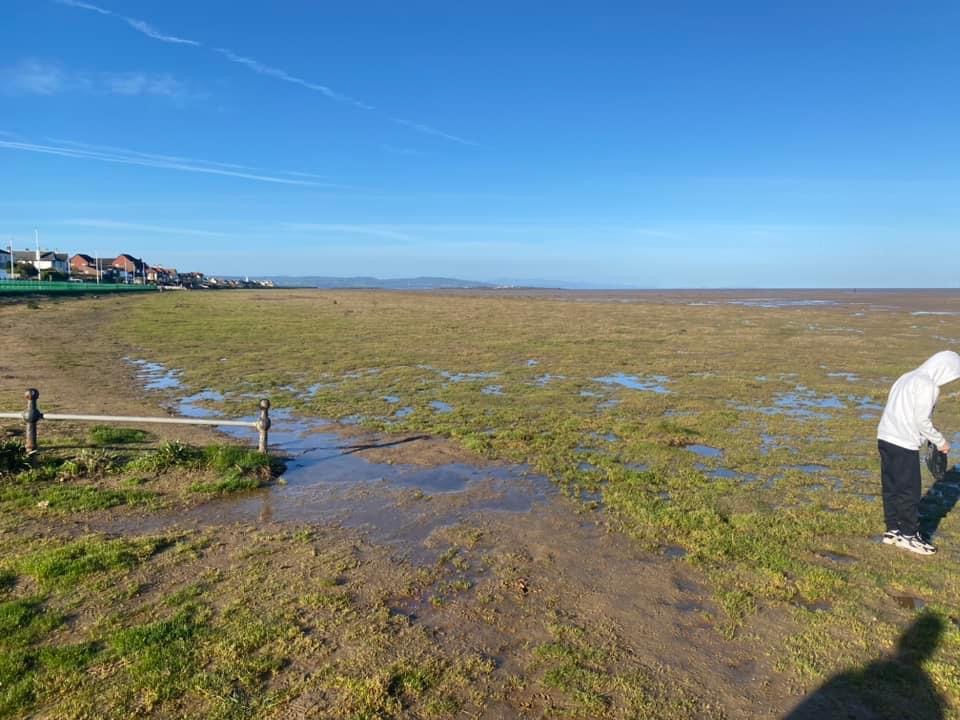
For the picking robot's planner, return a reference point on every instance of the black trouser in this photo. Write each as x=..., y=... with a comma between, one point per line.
x=900, y=479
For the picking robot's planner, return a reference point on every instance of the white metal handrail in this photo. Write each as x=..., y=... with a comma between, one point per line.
x=32, y=415
x=137, y=418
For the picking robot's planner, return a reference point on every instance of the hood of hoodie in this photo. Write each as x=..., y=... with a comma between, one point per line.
x=943, y=367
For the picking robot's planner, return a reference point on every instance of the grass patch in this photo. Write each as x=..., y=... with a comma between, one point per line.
x=68, y=498
x=232, y=484
x=168, y=456
x=26, y=668
x=576, y=670
x=238, y=468
x=13, y=457
x=234, y=458
x=160, y=657
x=66, y=565
x=86, y=464
x=107, y=435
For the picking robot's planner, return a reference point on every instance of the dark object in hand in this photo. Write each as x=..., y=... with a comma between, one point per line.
x=936, y=461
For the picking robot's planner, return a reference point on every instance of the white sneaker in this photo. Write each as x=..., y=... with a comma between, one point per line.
x=890, y=537
x=915, y=544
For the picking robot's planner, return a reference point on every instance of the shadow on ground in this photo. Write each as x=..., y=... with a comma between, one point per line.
x=938, y=502
x=892, y=687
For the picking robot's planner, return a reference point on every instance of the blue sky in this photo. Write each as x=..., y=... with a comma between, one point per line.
x=668, y=144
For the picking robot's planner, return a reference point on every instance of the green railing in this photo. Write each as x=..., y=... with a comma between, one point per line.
x=52, y=287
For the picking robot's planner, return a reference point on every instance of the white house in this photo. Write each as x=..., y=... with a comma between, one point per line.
x=42, y=260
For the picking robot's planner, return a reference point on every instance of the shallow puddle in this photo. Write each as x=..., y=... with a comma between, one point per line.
x=492, y=390
x=190, y=405
x=155, y=376
x=674, y=552
x=327, y=480
x=803, y=398
x=312, y=390
x=606, y=437
x=655, y=383
x=810, y=469
x=768, y=443
x=722, y=473
x=818, y=607
x=775, y=303
x=704, y=450
x=468, y=376
x=441, y=407
x=801, y=403
x=865, y=402
x=546, y=379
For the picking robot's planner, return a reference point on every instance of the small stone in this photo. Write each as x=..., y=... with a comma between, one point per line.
x=43, y=504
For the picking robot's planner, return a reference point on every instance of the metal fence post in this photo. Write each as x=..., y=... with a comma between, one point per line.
x=263, y=424
x=30, y=417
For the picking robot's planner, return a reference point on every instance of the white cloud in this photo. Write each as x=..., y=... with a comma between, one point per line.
x=138, y=83
x=32, y=77
x=101, y=224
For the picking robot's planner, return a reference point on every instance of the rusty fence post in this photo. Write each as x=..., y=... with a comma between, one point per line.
x=263, y=424
x=31, y=416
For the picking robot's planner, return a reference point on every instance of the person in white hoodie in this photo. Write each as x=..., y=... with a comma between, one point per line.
x=905, y=425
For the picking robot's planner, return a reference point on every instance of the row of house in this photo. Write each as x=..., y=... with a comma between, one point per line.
x=124, y=268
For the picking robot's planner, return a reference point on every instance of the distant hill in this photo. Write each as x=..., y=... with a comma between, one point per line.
x=418, y=283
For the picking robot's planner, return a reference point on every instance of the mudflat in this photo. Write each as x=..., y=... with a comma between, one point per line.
x=494, y=504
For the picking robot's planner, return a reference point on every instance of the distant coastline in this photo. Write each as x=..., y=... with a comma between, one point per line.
x=363, y=282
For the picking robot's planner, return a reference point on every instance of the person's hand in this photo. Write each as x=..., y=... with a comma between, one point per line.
x=945, y=448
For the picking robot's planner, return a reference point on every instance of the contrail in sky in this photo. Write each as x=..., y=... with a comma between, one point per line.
x=260, y=68
x=81, y=151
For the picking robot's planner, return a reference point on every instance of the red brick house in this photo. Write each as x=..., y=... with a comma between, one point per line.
x=161, y=275
x=129, y=269
x=90, y=268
